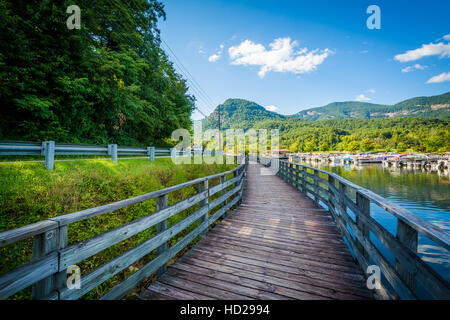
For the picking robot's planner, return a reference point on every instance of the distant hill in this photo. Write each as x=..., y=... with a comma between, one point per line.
x=429, y=107
x=239, y=113
x=244, y=114
x=411, y=125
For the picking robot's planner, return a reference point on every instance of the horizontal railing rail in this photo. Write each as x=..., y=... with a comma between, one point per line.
x=52, y=255
x=409, y=270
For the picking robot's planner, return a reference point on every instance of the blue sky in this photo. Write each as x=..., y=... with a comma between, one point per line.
x=324, y=53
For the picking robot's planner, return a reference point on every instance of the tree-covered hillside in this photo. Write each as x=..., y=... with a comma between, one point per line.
x=417, y=134
x=399, y=134
x=239, y=113
x=109, y=81
x=430, y=107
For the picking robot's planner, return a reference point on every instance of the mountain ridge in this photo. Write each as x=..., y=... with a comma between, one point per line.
x=246, y=113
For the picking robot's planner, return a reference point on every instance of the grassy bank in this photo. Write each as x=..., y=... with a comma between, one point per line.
x=29, y=193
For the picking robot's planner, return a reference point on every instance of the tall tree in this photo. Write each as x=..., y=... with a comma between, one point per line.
x=109, y=81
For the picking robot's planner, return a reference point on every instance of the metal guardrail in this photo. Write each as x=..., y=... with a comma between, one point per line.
x=50, y=149
x=409, y=269
x=52, y=255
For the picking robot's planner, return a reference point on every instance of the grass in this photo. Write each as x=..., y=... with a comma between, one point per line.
x=29, y=193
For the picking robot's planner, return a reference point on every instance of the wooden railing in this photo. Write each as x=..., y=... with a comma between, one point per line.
x=52, y=256
x=341, y=196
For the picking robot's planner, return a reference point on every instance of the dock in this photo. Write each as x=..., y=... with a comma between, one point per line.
x=276, y=245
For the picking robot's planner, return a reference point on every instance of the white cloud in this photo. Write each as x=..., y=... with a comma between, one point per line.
x=361, y=97
x=272, y=108
x=281, y=56
x=216, y=56
x=364, y=51
x=414, y=67
x=432, y=49
x=440, y=78
x=371, y=90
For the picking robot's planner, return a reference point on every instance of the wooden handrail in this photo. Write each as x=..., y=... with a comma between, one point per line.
x=409, y=268
x=51, y=255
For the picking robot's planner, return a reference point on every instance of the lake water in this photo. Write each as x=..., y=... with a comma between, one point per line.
x=426, y=194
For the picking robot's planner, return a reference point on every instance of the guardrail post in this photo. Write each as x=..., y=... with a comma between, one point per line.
x=112, y=151
x=202, y=186
x=161, y=203
x=409, y=237
x=49, y=153
x=363, y=205
x=43, y=244
x=151, y=153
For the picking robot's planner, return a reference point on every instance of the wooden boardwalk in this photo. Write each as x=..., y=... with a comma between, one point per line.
x=276, y=245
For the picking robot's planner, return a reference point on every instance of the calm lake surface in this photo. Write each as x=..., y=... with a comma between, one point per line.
x=426, y=194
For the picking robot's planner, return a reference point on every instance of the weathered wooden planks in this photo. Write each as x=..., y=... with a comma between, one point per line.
x=276, y=245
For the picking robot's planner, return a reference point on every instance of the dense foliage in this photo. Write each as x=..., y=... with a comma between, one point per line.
x=109, y=81
x=401, y=134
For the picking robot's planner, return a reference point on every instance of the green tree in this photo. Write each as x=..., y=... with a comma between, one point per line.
x=109, y=81
x=309, y=146
x=353, y=146
x=324, y=146
x=367, y=145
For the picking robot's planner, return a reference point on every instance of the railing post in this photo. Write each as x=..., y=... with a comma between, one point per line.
x=49, y=153
x=363, y=205
x=286, y=173
x=161, y=203
x=202, y=186
x=331, y=181
x=223, y=179
x=409, y=237
x=44, y=244
x=61, y=277
x=297, y=177
x=304, y=180
x=290, y=173
x=342, y=192
x=316, y=187
x=151, y=153
x=112, y=151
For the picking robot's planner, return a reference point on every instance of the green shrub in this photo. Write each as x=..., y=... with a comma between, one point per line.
x=29, y=193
